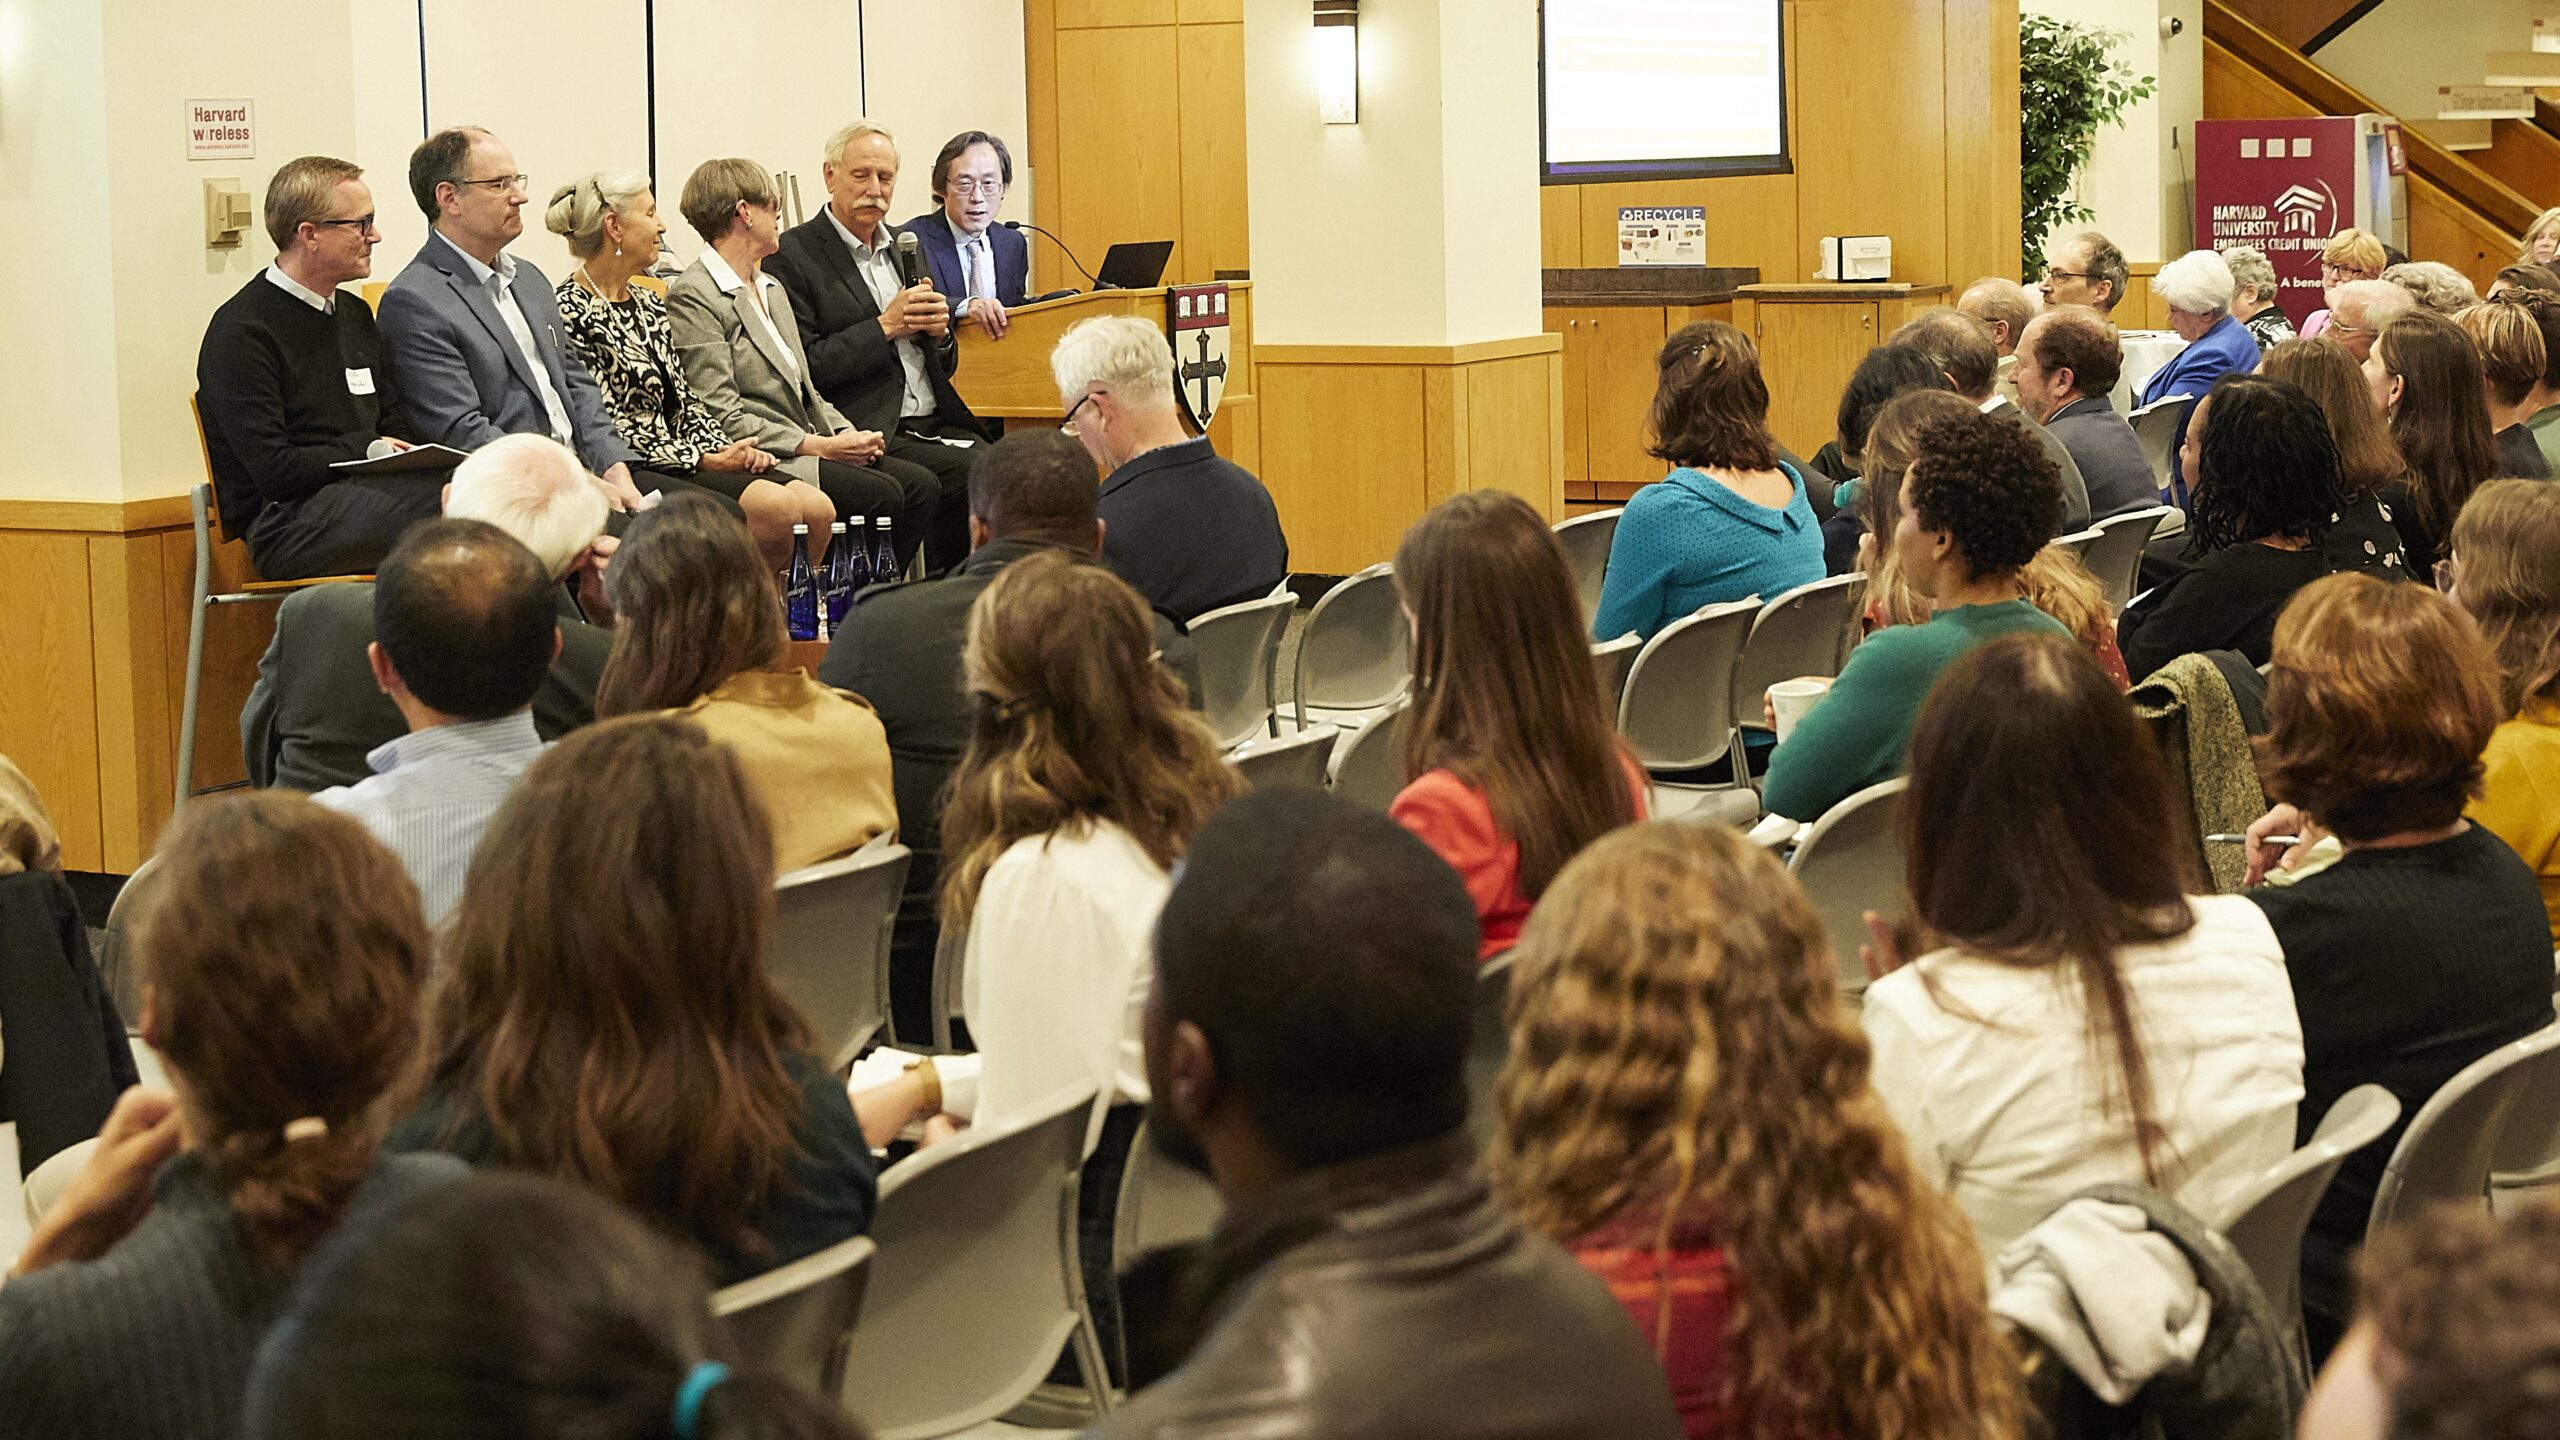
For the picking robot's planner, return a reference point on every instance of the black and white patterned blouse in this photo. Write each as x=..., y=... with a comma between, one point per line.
x=627, y=346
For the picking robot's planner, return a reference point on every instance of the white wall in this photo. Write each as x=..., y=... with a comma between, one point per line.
x=2403, y=49
x=2140, y=179
x=935, y=68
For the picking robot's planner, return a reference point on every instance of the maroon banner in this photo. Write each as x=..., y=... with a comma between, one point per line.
x=2283, y=186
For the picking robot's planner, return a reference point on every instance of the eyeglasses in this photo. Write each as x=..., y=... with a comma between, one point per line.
x=2344, y=272
x=2053, y=273
x=1068, y=425
x=963, y=185
x=358, y=222
x=500, y=184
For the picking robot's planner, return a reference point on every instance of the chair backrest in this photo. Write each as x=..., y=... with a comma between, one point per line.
x=1849, y=863
x=1807, y=631
x=2156, y=426
x=2449, y=1149
x=1296, y=758
x=117, y=963
x=47, y=1181
x=1676, y=712
x=2265, y=1221
x=831, y=945
x=978, y=1280
x=2526, y=1164
x=1161, y=1203
x=1586, y=540
x=797, y=1318
x=204, y=453
x=1489, y=1041
x=2078, y=542
x=1239, y=648
x=2116, y=557
x=1615, y=660
x=1369, y=768
x=1357, y=651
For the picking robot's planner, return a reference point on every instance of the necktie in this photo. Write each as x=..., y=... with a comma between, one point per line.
x=982, y=280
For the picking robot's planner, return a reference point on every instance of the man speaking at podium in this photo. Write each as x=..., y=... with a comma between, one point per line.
x=878, y=333
x=981, y=265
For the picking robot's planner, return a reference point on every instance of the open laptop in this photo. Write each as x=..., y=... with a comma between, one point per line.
x=1134, y=267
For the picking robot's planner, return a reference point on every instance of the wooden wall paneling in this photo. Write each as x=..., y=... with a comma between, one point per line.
x=1560, y=226
x=1238, y=432
x=48, y=686
x=1806, y=354
x=2443, y=228
x=1619, y=383
x=1117, y=104
x=137, y=744
x=1212, y=200
x=2233, y=90
x=1091, y=14
x=1210, y=12
x=1492, y=424
x=1575, y=370
x=235, y=636
x=1751, y=220
x=1343, y=456
x=1852, y=177
x=1040, y=140
x=1983, y=201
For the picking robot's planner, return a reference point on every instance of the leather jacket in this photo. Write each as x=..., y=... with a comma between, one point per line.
x=1391, y=1297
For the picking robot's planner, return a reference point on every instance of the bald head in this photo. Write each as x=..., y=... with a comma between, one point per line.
x=463, y=615
x=2003, y=306
x=1958, y=344
x=2360, y=308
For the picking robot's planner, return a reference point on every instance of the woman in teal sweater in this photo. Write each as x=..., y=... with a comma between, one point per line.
x=1732, y=521
x=1977, y=504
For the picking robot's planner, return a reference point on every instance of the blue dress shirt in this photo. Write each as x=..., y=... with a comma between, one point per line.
x=433, y=791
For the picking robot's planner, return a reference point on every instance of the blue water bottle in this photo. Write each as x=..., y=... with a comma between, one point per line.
x=857, y=560
x=800, y=593
x=836, y=591
x=884, y=555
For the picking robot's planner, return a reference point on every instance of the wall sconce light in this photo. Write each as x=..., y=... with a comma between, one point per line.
x=1338, y=61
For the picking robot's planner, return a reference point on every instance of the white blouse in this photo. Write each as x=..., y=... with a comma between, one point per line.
x=2001, y=1095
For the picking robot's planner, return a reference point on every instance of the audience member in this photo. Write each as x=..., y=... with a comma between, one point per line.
x=1754, y=1210
x=2427, y=946
x=900, y=645
x=2541, y=239
x=462, y=383
x=1190, y=529
x=2087, y=270
x=464, y=634
x=1511, y=755
x=1961, y=348
x=606, y=1015
x=1306, y=1042
x=2511, y=362
x=2267, y=484
x=733, y=325
x=2253, y=296
x=2039, y=831
x=1731, y=520
x=1893, y=442
x=1834, y=473
x=29, y=843
x=2544, y=307
x=619, y=332
x=2434, y=285
x=291, y=383
x=880, y=344
x=698, y=631
x=514, y=1307
x=2457, y=1333
x=2426, y=378
x=2361, y=536
x=2351, y=257
x=2524, y=277
x=315, y=713
x=2197, y=287
x=2058, y=582
x=2004, y=307
x=2360, y=309
x=2505, y=572
x=282, y=967
x=1977, y=504
x=982, y=266
x=1085, y=779
x=2068, y=364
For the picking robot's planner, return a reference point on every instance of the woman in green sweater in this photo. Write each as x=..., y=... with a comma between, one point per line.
x=1978, y=502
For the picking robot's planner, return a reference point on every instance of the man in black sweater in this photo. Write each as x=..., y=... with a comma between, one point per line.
x=290, y=382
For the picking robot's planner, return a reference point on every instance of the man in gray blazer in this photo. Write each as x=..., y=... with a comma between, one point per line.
x=315, y=713
x=473, y=333
x=2068, y=363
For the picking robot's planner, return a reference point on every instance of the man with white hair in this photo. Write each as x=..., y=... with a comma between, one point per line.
x=315, y=712
x=880, y=341
x=1190, y=530
x=2360, y=308
x=2004, y=307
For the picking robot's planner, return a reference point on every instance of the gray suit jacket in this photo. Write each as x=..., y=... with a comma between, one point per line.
x=2119, y=476
x=314, y=714
x=2075, y=490
x=461, y=374
x=730, y=362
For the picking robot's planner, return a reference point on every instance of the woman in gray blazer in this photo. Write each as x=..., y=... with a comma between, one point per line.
x=740, y=346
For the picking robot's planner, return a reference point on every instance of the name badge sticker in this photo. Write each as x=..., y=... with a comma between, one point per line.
x=360, y=382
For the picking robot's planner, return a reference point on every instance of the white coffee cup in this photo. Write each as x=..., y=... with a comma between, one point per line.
x=1792, y=698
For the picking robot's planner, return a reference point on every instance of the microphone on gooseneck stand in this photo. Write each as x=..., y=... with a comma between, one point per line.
x=1062, y=249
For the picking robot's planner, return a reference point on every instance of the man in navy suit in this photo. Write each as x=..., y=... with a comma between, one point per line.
x=981, y=265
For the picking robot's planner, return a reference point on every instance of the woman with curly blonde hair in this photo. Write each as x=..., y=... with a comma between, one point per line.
x=1686, y=1108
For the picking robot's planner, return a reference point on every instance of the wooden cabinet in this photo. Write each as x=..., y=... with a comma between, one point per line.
x=1608, y=387
x=1811, y=337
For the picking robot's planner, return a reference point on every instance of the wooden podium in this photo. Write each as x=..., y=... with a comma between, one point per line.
x=1009, y=379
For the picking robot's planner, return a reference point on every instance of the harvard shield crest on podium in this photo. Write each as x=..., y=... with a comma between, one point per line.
x=1196, y=321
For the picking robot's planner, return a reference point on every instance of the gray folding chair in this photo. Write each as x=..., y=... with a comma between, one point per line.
x=798, y=1318
x=1489, y=1042
x=50, y=1179
x=1809, y=630
x=1586, y=540
x=1162, y=1203
x=1297, y=758
x=2116, y=557
x=1239, y=648
x=979, y=1278
x=1356, y=653
x=2526, y=1165
x=2448, y=1151
x=118, y=965
x=2265, y=1221
x=950, y=963
x=831, y=945
x=1676, y=713
x=1849, y=863
x=1615, y=660
x=2078, y=542
x=2156, y=426
x=1368, y=767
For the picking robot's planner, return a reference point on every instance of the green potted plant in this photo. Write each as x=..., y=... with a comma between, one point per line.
x=2070, y=86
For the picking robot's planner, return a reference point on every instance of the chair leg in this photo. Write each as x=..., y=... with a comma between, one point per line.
x=1088, y=1345
x=195, y=662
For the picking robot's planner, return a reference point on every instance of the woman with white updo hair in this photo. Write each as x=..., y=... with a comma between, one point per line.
x=2198, y=287
x=619, y=331
x=2253, y=296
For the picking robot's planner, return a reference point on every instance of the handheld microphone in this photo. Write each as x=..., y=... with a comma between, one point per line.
x=910, y=259
x=1062, y=249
